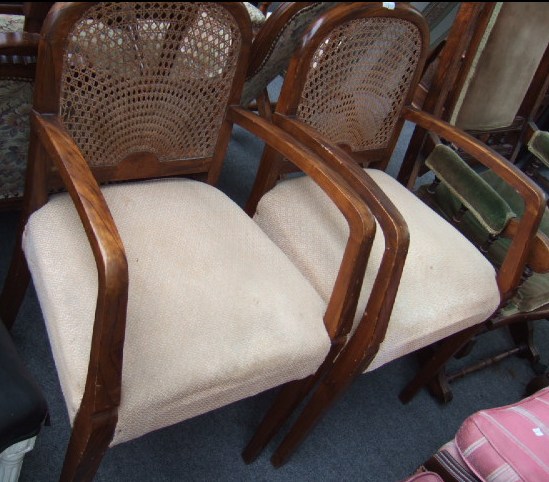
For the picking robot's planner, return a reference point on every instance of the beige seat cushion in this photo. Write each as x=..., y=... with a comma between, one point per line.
x=216, y=311
x=446, y=286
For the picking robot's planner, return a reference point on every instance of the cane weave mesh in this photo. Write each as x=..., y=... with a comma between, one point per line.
x=358, y=80
x=148, y=77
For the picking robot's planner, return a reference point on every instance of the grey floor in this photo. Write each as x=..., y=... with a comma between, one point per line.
x=368, y=436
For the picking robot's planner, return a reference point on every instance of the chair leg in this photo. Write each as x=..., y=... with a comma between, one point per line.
x=328, y=392
x=448, y=348
x=89, y=441
x=439, y=387
x=523, y=336
x=15, y=287
x=286, y=401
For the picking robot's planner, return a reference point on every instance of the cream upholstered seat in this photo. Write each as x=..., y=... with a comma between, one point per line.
x=351, y=82
x=263, y=326
x=162, y=298
x=447, y=303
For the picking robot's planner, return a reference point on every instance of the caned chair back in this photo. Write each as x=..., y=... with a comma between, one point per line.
x=352, y=83
x=153, y=95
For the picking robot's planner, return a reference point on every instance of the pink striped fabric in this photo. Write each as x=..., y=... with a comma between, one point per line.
x=510, y=443
x=424, y=477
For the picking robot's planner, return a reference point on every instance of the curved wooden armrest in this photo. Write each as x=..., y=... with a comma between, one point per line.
x=19, y=43
x=373, y=325
x=510, y=272
x=343, y=302
x=105, y=367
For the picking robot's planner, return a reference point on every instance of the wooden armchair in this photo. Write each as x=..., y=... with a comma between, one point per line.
x=20, y=23
x=162, y=299
x=502, y=115
x=351, y=83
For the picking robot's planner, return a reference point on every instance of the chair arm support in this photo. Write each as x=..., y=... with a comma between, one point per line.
x=511, y=270
x=373, y=325
x=343, y=302
x=105, y=366
x=19, y=43
x=538, y=257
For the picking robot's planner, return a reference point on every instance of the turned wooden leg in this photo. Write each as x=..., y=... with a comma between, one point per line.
x=523, y=336
x=447, y=349
x=89, y=441
x=439, y=387
x=15, y=287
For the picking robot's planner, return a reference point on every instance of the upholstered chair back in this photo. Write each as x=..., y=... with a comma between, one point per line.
x=503, y=66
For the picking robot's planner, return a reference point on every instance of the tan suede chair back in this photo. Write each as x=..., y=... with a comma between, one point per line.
x=503, y=66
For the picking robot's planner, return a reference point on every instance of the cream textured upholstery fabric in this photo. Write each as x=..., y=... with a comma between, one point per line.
x=216, y=311
x=446, y=286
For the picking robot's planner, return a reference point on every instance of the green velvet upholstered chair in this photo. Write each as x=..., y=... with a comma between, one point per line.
x=492, y=84
x=485, y=208
x=491, y=78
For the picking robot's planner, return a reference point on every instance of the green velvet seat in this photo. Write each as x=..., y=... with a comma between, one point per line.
x=491, y=204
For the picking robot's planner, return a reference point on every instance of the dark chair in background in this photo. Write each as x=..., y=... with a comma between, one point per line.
x=352, y=82
x=274, y=45
x=491, y=78
x=23, y=409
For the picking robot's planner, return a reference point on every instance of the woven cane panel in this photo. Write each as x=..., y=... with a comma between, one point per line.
x=358, y=80
x=148, y=77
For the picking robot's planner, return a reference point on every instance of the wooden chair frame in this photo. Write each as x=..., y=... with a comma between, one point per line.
x=362, y=347
x=56, y=162
x=441, y=96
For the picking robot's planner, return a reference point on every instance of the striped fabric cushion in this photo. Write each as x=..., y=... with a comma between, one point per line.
x=424, y=477
x=508, y=443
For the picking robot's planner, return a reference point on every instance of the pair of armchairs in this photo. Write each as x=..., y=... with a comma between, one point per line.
x=161, y=298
